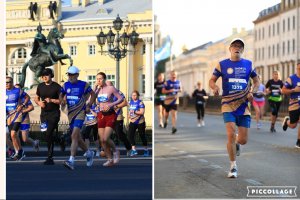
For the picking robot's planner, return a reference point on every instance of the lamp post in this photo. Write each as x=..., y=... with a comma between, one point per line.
x=116, y=44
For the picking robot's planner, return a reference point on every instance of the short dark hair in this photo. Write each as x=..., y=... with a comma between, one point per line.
x=102, y=74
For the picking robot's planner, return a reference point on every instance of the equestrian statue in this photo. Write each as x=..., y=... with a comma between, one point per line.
x=45, y=53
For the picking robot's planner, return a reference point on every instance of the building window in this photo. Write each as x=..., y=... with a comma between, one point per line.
x=259, y=33
x=294, y=46
x=288, y=47
x=112, y=78
x=73, y=50
x=283, y=46
x=288, y=28
x=294, y=22
x=259, y=54
x=262, y=53
x=143, y=83
x=22, y=53
x=269, y=30
x=278, y=28
x=91, y=79
x=273, y=29
x=269, y=52
x=283, y=26
x=263, y=33
x=278, y=49
x=144, y=49
x=273, y=51
x=91, y=49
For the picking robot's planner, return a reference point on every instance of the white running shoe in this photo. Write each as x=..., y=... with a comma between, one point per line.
x=202, y=123
x=108, y=163
x=89, y=158
x=116, y=156
x=233, y=172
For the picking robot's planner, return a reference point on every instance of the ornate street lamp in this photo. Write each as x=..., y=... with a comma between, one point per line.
x=117, y=45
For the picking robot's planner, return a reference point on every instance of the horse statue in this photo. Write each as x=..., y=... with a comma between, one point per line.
x=45, y=53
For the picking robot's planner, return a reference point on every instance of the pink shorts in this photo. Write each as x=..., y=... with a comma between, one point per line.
x=258, y=103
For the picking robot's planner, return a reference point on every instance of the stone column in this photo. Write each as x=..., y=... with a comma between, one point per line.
x=148, y=69
x=129, y=71
x=29, y=74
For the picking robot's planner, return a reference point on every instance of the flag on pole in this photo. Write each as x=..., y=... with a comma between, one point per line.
x=163, y=52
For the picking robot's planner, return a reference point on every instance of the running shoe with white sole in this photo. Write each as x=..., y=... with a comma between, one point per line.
x=133, y=152
x=284, y=123
x=20, y=155
x=298, y=144
x=202, y=123
x=89, y=158
x=68, y=164
x=233, y=172
x=146, y=153
x=108, y=163
x=116, y=156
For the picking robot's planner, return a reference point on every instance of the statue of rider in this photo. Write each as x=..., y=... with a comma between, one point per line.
x=40, y=44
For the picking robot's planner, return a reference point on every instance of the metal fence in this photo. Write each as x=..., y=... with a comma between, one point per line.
x=213, y=104
x=36, y=133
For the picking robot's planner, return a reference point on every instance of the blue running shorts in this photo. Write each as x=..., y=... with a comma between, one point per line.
x=240, y=120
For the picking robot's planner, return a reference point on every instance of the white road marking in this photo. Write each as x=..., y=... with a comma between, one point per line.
x=216, y=166
x=174, y=148
x=253, y=182
x=202, y=160
x=191, y=156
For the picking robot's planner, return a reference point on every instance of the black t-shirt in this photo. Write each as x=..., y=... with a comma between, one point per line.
x=199, y=95
x=159, y=86
x=51, y=91
x=274, y=87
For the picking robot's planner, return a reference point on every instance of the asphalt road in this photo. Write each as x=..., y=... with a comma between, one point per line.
x=30, y=179
x=194, y=163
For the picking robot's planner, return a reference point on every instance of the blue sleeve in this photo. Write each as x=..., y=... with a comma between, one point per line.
x=142, y=105
x=288, y=85
x=253, y=73
x=217, y=73
x=62, y=90
x=88, y=90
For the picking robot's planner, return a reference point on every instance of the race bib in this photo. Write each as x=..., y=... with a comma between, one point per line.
x=102, y=97
x=236, y=84
x=275, y=92
x=44, y=126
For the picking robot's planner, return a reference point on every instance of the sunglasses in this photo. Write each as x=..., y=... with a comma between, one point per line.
x=71, y=74
x=8, y=82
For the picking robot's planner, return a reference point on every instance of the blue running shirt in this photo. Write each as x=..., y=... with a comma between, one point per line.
x=294, y=103
x=235, y=84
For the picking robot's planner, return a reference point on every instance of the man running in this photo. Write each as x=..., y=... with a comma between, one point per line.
x=47, y=97
x=14, y=107
x=292, y=87
x=235, y=73
x=171, y=88
x=77, y=93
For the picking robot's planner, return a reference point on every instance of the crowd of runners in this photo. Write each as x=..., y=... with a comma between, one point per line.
x=93, y=111
x=238, y=93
